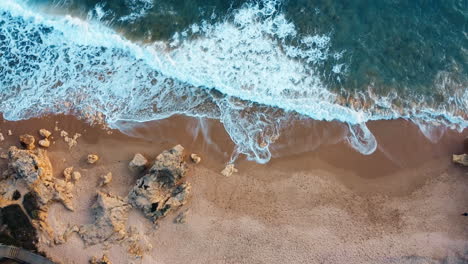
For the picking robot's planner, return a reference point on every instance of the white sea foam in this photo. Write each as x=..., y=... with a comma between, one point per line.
x=61, y=64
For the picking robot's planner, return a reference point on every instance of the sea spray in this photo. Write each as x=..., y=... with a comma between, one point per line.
x=253, y=72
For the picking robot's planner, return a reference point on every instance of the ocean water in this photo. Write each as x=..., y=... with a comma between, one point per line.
x=253, y=65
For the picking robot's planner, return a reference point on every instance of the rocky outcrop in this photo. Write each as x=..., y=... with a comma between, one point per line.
x=33, y=168
x=162, y=189
x=460, y=159
x=110, y=215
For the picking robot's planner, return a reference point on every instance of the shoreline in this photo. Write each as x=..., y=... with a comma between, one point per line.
x=317, y=199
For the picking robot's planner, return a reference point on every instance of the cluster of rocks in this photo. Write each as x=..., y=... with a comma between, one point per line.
x=30, y=173
x=160, y=190
x=462, y=159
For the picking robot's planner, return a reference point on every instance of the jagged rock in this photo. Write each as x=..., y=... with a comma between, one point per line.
x=92, y=158
x=110, y=215
x=27, y=141
x=67, y=173
x=45, y=133
x=161, y=190
x=45, y=143
x=229, y=170
x=169, y=166
x=138, y=163
x=34, y=168
x=106, y=179
x=30, y=165
x=195, y=158
x=460, y=159
x=76, y=176
x=103, y=260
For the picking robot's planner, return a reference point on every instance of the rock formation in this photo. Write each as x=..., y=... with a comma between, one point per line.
x=110, y=214
x=33, y=167
x=162, y=189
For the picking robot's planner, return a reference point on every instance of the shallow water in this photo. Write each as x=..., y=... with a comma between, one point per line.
x=255, y=66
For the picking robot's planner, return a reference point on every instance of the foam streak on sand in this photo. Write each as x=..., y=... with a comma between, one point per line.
x=243, y=72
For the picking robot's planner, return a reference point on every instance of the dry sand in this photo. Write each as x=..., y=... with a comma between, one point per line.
x=318, y=201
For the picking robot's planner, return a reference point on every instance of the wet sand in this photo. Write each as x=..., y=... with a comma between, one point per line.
x=317, y=201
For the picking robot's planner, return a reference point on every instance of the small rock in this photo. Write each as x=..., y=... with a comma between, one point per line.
x=27, y=141
x=195, y=158
x=45, y=133
x=2, y=137
x=76, y=176
x=138, y=163
x=181, y=217
x=45, y=143
x=3, y=155
x=461, y=159
x=103, y=260
x=229, y=170
x=106, y=178
x=10, y=133
x=67, y=173
x=92, y=158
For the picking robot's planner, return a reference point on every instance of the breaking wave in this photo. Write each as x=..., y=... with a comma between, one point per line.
x=253, y=72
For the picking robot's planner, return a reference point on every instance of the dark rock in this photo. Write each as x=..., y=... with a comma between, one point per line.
x=16, y=195
x=17, y=230
x=31, y=205
x=162, y=190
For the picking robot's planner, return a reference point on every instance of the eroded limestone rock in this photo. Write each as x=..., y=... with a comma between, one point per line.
x=106, y=179
x=195, y=158
x=27, y=141
x=110, y=215
x=103, y=260
x=33, y=167
x=162, y=189
x=138, y=163
x=92, y=158
x=44, y=133
x=229, y=170
x=460, y=159
x=45, y=143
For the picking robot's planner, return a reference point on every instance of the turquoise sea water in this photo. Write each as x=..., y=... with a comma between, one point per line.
x=254, y=65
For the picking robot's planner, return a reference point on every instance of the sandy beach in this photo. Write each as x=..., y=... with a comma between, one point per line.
x=315, y=202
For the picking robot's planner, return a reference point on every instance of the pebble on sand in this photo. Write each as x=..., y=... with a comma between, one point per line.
x=92, y=158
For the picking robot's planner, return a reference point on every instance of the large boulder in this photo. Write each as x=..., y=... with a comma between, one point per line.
x=110, y=215
x=29, y=165
x=162, y=189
